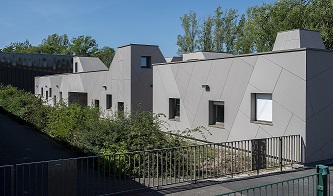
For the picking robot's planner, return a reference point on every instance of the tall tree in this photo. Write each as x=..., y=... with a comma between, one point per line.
x=219, y=31
x=206, y=35
x=84, y=46
x=230, y=20
x=189, y=41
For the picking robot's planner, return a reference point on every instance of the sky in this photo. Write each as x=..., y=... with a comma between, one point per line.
x=112, y=23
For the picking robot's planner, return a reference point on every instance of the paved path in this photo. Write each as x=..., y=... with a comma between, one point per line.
x=21, y=144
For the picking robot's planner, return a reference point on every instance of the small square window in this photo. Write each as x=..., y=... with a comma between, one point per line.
x=174, y=109
x=108, y=101
x=216, y=113
x=261, y=108
x=145, y=62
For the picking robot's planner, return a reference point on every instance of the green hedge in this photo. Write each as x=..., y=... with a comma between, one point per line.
x=83, y=128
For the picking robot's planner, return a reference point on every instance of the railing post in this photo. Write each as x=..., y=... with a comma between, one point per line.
x=322, y=186
x=280, y=152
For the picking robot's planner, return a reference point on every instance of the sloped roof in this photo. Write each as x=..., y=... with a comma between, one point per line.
x=92, y=64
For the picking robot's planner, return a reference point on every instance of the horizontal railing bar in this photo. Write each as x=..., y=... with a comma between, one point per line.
x=270, y=184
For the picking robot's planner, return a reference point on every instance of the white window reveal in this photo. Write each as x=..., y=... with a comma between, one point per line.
x=264, y=107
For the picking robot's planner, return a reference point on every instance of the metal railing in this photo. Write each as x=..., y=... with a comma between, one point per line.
x=97, y=175
x=313, y=184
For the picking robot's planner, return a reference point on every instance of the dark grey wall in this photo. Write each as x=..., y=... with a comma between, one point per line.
x=19, y=69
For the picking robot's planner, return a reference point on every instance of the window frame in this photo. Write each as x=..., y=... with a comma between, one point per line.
x=213, y=116
x=174, y=109
x=148, y=62
x=108, y=101
x=254, y=108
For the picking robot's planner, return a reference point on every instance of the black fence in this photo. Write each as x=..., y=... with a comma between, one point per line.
x=121, y=172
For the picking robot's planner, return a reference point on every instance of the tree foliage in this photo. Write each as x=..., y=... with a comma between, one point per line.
x=83, y=128
x=256, y=30
x=189, y=41
x=61, y=44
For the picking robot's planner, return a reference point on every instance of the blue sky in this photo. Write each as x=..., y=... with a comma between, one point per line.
x=111, y=22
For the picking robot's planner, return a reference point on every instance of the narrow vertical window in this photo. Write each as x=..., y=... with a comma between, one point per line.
x=50, y=92
x=60, y=96
x=174, y=109
x=47, y=94
x=96, y=103
x=75, y=67
x=108, y=101
x=120, y=106
x=54, y=100
x=42, y=92
x=216, y=113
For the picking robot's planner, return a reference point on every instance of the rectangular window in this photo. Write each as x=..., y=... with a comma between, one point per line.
x=216, y=113
x=96, y=103
x=262, y=107
x=75, y=67
x=60, y=96
x=50, y=91
x=47, y=95
x=145, y=62
x=42, y=92
x=108, y=101
x=174, y=109
x=54, y=100
x=120, y=106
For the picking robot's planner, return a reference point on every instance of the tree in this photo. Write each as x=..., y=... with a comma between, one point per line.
x=206, y=37
x=106, y=55
x=55, y=44
x=84, y=46
x=219, y=31
x=188, y=42
x=21, y=47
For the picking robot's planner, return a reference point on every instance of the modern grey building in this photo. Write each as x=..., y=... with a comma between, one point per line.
x=230, y=97
x=19, y=69
x=283, y=92
x=126, y=85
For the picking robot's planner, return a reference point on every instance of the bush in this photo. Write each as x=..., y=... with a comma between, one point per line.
x=83, y=128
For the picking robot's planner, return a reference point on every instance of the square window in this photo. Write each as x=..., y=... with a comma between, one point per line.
x=145, y=62
x=262, y=107
x=108, y=101
x=216, y=113
x=174, y=109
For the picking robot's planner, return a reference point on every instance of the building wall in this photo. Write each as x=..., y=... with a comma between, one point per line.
x=142, y=78
x=19, y=70
x=232, y=80
x=125, y=80
x=319, y=105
